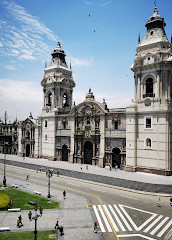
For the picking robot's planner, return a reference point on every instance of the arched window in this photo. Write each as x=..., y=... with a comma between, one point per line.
x=149, y=88
x=49, y=99
x=148, y=142
x=65, y=100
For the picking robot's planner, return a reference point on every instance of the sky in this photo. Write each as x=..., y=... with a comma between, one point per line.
x=99, y=38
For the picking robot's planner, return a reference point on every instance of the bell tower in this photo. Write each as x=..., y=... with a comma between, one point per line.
x=149, y=116
x=58, y=83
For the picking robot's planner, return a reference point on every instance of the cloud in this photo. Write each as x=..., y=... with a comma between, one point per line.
x=20, y=91
x=112, y=101
x=77, y=62
x=9, y=67
x=23, y=36
x=101, y=3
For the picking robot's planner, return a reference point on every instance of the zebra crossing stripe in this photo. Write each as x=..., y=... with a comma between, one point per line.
x=152, y=224
x=98, y=219
x=117, y=218
x=104, y=218
x=129, y=218
x=122, y=217
x=111, y=219
x=147, y=221
x=164, y=229
x=159, y=225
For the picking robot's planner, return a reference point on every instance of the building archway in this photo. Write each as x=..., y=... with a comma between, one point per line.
x=88, y=152
x=27, y=150
x=116, y=157
x=64, y=153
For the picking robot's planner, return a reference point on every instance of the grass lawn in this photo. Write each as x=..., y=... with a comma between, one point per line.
x=20, y=200
x=41, y=235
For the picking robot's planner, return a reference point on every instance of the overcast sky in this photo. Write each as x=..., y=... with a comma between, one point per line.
x=99, y=38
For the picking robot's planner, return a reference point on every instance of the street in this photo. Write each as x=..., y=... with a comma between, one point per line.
x=121, y=214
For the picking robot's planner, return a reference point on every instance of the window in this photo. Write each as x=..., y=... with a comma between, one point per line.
x=88, y=120
x=149, y=86
x=148, y=122
x=148, y=142
x=49, y=99
x=116, y=124
x=46, y=122
x=65, y=100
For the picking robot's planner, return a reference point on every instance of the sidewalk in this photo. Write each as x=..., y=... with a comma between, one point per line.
x=121, y=174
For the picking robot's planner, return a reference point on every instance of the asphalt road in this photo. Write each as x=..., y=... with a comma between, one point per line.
x=133, y=185
x=118, y=212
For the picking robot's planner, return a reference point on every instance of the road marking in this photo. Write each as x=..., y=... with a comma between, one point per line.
x=159, y=225
x=99, y=219
x=147, y=221
x=137, y=209
x=129, y=218
x=111, y=219
x=104, y=218
x=164, y=229
x=136, y=235
x=122, y=217
x=152, y=224
x=128, y=197
x=73, y=184
x=97, y=190
x=117, y=219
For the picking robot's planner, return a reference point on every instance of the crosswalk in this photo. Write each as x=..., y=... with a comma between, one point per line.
x=116, y=217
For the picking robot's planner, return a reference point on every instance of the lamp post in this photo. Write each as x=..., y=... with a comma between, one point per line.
x=49, y=174
x=31, y=203
x=4, y=180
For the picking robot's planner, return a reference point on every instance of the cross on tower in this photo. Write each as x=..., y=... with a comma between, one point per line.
x=155, y=3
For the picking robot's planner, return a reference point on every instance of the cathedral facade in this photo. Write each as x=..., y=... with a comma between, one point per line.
x=137, y=138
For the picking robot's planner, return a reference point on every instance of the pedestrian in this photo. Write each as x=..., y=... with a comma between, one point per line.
x=64, y=194
x=116, y=167
x=81, y=166
x=20, y=221
x=110, y=167
x=17, y=222
x=159, y=203
x=27, y=177
x=58, y=174
x=95, y=227
x=87, y=167
x=57, y=223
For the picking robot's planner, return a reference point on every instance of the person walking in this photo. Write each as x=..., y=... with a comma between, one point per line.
x=57, y=223
x=159, y=204
x=64, y=194
x=110, y=167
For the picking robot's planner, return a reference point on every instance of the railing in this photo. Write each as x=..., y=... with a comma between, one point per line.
x=148, y=95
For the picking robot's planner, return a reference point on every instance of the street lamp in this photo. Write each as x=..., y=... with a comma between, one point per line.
x=49, y=174
x=31, y=203
x=4, y=180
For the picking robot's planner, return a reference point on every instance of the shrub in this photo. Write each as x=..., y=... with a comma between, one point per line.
x=4, y=201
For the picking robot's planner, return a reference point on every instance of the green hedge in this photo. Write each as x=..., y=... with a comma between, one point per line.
x=4, y=201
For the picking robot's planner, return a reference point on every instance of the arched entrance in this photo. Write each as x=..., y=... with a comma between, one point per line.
x=116, y=157
x=27, y=150
x=88, y=152
x=64, y=153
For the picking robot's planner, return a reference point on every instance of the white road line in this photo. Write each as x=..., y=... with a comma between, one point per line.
x=129, y=218
x=147, y=221
x=164, y=229
x=152, y=224
x=136, y=235
x=159, y=225
x=98, y=219
x=136, y=209
x=104, y=218
x=73, y=184
x=122, y=217
x=128, y=197
x=97, y=190
x=111, y=219
x=117, y=218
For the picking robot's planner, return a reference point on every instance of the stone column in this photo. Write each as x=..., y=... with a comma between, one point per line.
x=93, y=149
x=138, y=91
x=158, y=86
